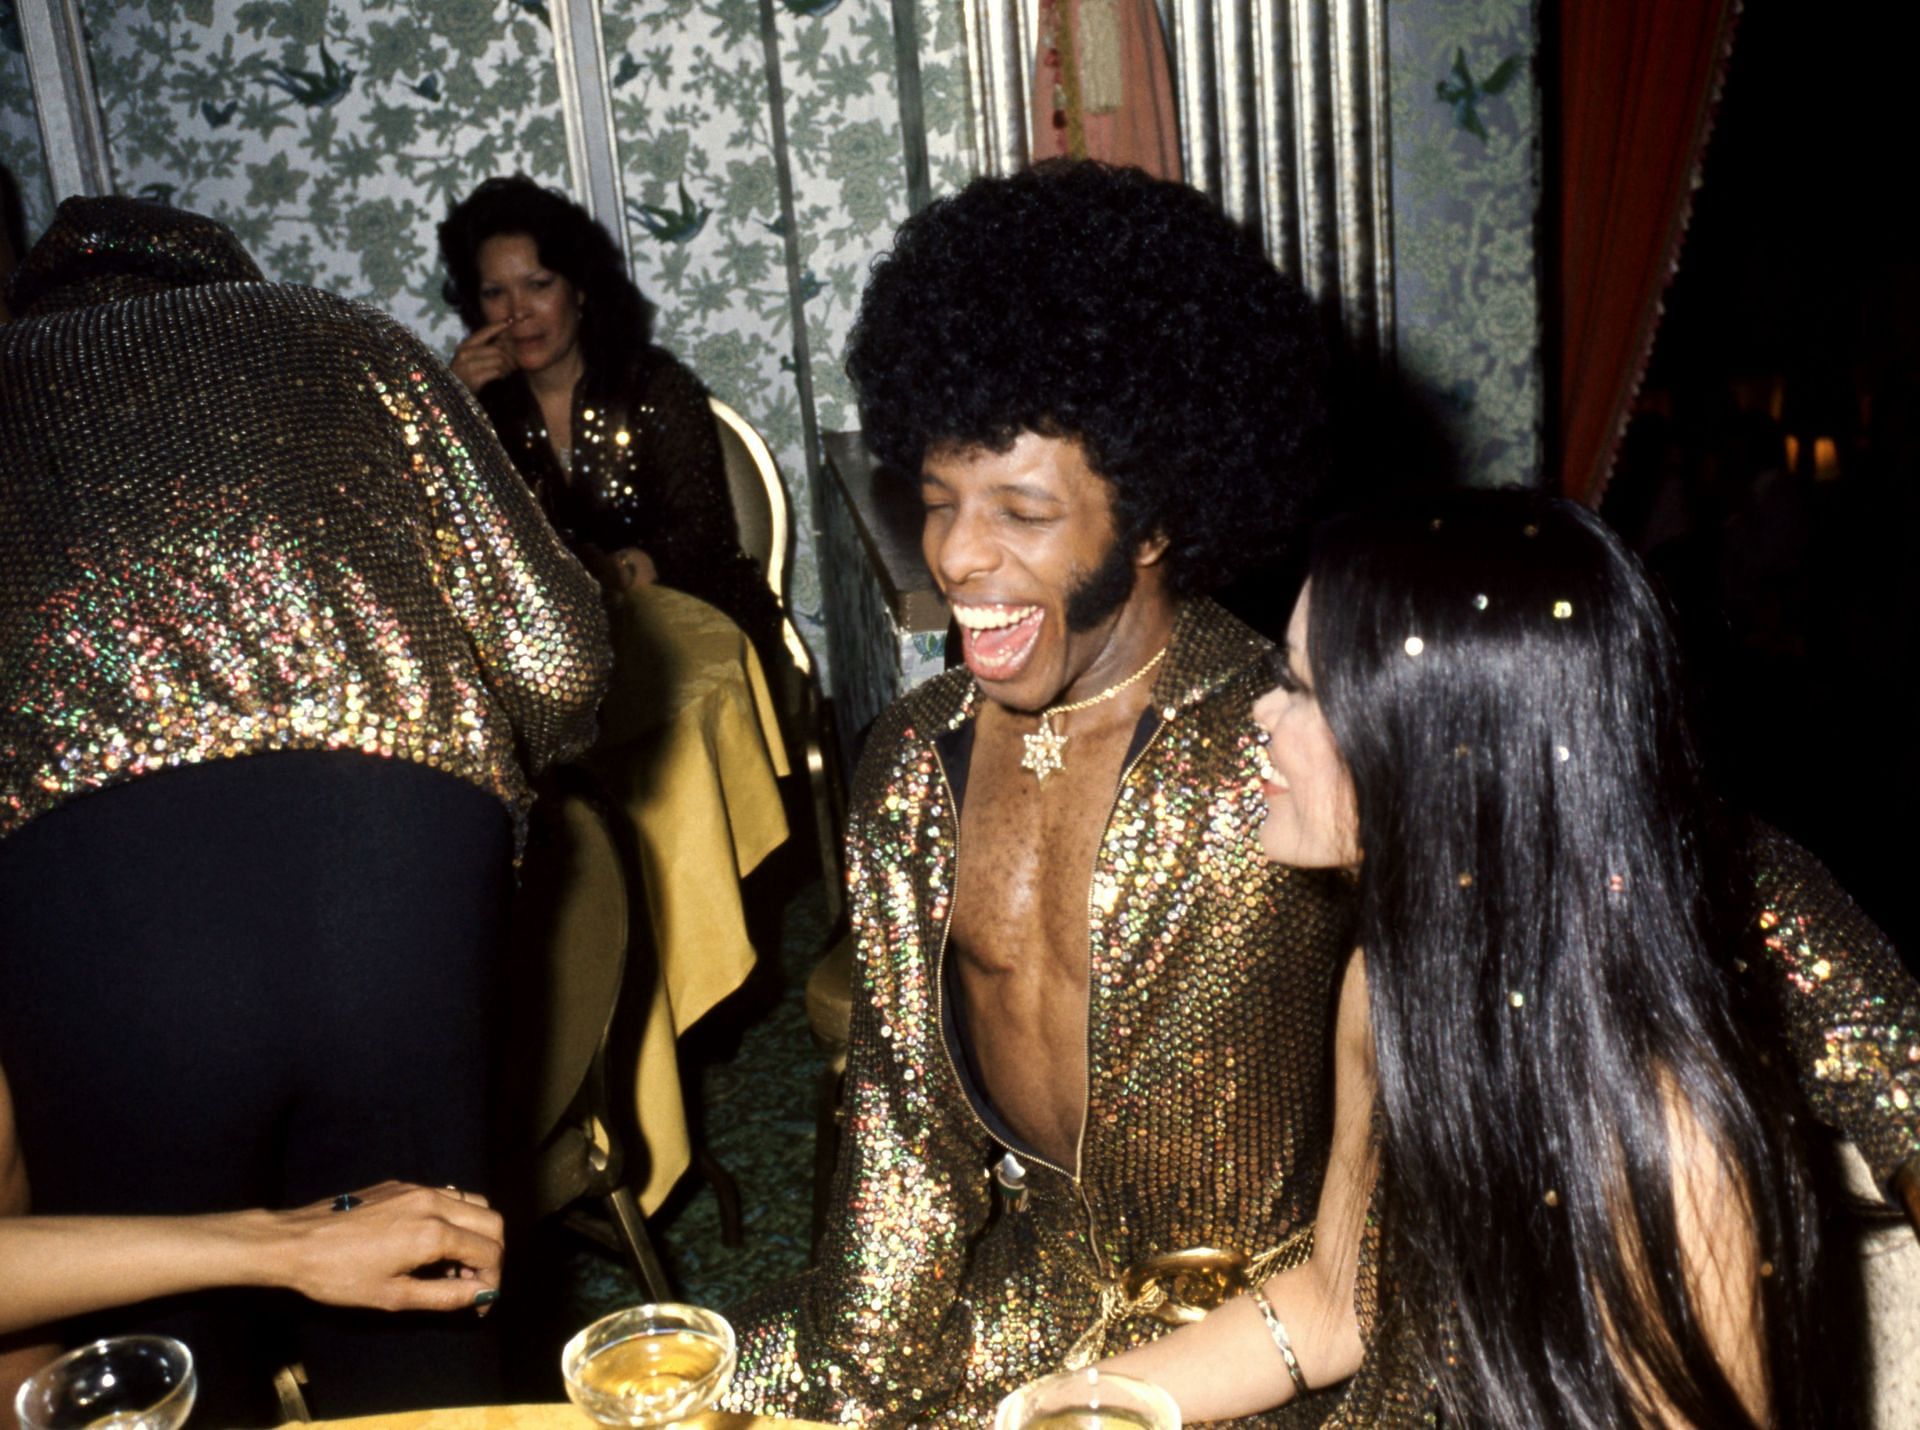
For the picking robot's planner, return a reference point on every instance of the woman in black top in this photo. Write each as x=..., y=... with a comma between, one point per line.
x=612, y=432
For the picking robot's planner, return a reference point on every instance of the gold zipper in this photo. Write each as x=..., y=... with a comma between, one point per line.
x=1086, y=1099
x=940, y=978
x=940, y=992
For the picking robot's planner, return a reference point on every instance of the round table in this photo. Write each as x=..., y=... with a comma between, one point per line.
x=542, y=1417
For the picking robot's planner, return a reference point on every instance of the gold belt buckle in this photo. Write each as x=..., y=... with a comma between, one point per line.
x=1193, y=1281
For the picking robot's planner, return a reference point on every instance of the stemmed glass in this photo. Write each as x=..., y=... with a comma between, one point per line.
x=127, y=1382
x=650, y=1365
x=1089, y=1399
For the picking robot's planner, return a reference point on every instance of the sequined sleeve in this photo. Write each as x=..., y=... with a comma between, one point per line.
x=875, y=1332
x=1849, y=1009
x=531, y=611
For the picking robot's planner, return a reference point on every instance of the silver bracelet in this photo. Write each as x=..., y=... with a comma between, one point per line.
x=1281, y=1341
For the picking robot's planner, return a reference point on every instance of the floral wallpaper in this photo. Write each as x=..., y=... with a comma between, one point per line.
x=1466, y=198
x=20, y=127
x=330, y=136
x=694, y=123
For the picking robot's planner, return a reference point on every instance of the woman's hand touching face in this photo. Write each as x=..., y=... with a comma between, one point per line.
x=486, y=355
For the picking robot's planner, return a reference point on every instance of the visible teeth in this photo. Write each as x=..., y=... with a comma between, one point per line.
x=1268, y=774
x=991, y=618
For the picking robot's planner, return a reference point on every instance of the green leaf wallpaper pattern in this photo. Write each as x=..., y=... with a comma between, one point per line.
x=20, y=127
x=331, y=136
x=1466, y=197
x=691, y=116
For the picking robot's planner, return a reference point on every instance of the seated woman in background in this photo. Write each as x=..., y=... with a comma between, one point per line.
x=1568, y=1180
x=612, y=432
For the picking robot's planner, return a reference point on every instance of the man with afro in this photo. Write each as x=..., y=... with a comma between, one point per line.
x=1087, y=1088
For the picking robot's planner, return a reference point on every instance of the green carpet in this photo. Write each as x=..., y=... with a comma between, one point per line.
x=753, y=1065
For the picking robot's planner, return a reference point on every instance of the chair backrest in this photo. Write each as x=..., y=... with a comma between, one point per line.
x=759, y=499
x=760, y=511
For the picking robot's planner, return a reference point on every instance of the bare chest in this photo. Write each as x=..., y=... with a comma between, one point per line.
x=1019, y=936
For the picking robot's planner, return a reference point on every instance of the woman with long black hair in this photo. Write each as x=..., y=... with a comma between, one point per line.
x=1569, y=1178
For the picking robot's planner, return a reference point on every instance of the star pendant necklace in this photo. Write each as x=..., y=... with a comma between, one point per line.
x=1043, y=747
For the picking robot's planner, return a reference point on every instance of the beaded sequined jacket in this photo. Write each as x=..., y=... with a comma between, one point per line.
x=644, y=470
x=238, y=517
x=1211, y=983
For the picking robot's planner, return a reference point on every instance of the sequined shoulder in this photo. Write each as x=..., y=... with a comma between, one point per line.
x=914, y=720
x=1211, y=646
x=1847, y=1005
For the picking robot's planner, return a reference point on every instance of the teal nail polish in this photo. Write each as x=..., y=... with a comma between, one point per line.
x=485, y=1298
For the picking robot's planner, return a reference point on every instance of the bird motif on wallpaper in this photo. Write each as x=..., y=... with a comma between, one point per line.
x=428, y=88
x=536, y=9
x=669, y=225
x=811, y=9
x=314, y=88
x=218, y=116
x=1464, y=93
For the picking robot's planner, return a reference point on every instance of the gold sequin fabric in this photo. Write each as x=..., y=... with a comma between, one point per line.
x=1212, y=981
x=1848, y=1007
x=239, y=517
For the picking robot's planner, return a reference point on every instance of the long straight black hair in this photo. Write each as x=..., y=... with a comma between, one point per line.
x=1502, y=683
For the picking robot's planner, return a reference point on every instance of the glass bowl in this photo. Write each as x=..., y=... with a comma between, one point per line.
x=126, y=1382
x=1089, y=1399
x=649, y=1365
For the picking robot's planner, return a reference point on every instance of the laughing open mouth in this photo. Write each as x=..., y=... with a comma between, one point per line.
x=997, y=638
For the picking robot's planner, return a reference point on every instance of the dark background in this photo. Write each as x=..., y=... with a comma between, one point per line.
x=1795, y=317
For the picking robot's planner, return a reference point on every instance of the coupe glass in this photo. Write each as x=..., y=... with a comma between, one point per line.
x=649, y=1365
x=127, y=1383
x=1089, y=1399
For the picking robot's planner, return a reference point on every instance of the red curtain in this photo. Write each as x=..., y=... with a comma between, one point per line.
x=1638, y=83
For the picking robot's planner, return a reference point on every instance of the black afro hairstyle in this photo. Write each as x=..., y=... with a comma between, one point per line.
x=1083, y=301
x=616, y=321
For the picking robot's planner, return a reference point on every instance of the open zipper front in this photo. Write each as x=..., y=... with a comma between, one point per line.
x=940, y=991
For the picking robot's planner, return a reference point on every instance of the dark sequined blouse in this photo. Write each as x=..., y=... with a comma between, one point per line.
x=644, y=470
x=237, y=517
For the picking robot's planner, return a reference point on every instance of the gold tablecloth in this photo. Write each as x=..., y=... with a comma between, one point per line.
x=541, y=1417
x=690, y=747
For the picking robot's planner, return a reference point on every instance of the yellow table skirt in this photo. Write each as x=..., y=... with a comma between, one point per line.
x=690, y=747
x=540, y=1417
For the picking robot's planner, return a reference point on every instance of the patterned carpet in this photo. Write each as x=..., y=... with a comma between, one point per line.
x=754, y=1065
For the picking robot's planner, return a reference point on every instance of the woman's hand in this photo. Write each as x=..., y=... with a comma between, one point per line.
x=485, y=356
x=371, y=1255
x=632, y=567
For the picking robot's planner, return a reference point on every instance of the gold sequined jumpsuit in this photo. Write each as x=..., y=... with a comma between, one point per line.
x=937, y=1288
x=1208, y=1111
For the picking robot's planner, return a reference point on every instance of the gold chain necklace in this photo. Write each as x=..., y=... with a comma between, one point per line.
x=1043, y=747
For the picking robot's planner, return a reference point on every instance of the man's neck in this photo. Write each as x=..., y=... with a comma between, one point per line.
x=1141, y=630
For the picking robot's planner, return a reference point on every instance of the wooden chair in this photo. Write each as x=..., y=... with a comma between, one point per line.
x=580, y=936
